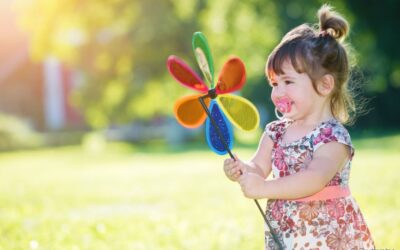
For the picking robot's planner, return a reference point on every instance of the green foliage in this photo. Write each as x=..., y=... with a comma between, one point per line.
x=16, y=134
x=120, y=47
x=247, y=29
x=376, y=38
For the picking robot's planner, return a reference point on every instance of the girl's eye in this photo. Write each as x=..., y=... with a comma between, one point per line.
x=288, y=82
x=274, y=84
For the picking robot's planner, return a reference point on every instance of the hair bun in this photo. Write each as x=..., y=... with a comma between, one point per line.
x=332, y=23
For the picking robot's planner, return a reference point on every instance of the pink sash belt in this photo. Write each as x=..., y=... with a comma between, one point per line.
x=331, y=192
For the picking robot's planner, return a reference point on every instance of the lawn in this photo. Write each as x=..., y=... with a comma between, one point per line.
x=127, y=197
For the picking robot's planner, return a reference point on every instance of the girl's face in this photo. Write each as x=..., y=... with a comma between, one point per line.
x=296, y=90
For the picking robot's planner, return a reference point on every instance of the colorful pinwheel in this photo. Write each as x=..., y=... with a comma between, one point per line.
x=191, y=111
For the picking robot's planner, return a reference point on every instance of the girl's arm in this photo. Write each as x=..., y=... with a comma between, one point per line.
x=261, y=160
x=259, y=164
x=327, y=161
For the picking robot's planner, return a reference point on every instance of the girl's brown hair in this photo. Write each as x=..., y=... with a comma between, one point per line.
x=317, y=51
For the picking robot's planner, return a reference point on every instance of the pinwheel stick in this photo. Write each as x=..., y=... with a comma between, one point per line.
x=221, y=137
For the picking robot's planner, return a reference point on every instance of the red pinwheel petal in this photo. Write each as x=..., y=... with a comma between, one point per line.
x=189, y=112
x=185, y=75
x=232, y=76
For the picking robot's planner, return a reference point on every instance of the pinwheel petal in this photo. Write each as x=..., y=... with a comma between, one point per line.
x=189, y=112
x=241, y=112
x=185, y=75
x=212, y=136
x=232, y=76
x=203, y=56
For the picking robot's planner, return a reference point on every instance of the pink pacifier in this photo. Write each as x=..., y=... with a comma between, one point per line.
x=283, y=105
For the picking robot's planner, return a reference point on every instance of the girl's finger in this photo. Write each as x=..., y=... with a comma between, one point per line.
x=228, y=165
x=242, y=168
x=238, y=170
x=229, y=160
x=241, y=179
x=236, y=164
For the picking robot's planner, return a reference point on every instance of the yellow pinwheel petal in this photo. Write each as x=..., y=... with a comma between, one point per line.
x=241, y=112
x=189, y=112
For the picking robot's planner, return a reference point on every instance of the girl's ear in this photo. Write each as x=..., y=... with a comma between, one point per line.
x=326, y=84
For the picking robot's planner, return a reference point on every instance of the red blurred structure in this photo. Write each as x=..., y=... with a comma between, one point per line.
x=39, y=93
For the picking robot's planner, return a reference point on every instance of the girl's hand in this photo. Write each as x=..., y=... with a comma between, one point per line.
x=252, y=185
x=234, y=168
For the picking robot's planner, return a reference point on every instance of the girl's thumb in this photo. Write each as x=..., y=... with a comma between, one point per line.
x=242, y=168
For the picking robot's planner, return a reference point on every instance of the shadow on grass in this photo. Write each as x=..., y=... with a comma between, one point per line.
x=365, y=139
x=162, y=147
x=362, y=139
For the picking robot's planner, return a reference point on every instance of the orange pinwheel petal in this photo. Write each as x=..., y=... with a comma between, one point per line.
x=232, y=76
x=189, y=112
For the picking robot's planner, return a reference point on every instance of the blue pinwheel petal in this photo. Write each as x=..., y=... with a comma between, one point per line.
x=213, y=140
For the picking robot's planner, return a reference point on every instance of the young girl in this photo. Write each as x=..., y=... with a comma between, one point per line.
x=308, y=150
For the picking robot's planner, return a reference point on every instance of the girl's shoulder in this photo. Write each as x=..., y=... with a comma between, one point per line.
x=276, y=129
x=329, y=131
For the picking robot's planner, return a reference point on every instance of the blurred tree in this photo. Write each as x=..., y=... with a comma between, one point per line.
x=119, y=46
x=376, y=36
x=250, y=27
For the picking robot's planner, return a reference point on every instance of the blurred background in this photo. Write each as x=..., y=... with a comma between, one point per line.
x=91, y=156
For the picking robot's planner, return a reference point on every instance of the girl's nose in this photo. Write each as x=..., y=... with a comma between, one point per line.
x=279, y=91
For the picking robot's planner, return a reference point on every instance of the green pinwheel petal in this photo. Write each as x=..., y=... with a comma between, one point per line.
x=203, y=57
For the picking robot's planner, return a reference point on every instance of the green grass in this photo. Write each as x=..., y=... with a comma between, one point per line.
x=126, y=197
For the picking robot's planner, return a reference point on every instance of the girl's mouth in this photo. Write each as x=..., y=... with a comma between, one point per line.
x=284, y=105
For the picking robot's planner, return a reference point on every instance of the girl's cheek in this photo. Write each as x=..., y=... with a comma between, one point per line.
x=274, y=95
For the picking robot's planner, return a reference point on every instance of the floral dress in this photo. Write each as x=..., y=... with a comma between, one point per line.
x=319, y=224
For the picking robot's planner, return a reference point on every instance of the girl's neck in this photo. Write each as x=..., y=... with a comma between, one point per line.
x=310, y=122
x=315, y=118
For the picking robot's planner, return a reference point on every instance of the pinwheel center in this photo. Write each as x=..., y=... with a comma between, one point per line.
x=212, y=93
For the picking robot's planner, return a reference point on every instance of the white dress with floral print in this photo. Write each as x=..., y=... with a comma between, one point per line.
x=323, y=224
